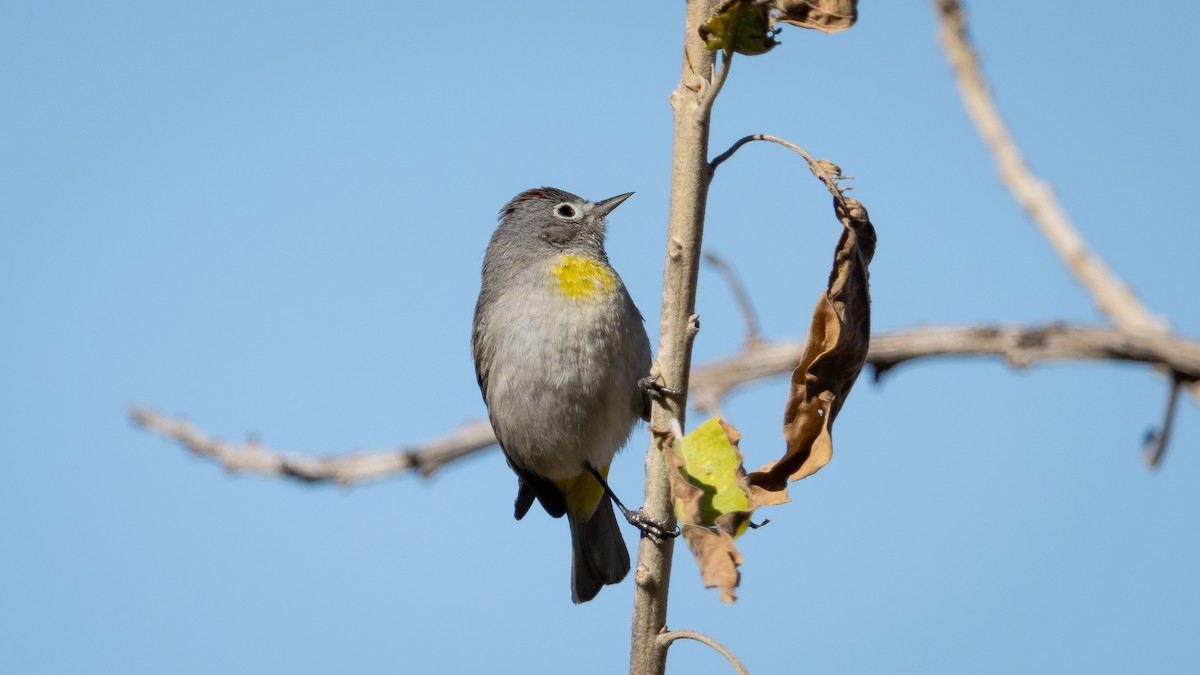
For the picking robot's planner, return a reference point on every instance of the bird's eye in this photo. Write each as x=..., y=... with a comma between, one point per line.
x=565, y=211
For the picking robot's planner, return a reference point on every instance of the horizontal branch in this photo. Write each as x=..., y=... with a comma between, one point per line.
x=1020, y=346
x=1023, y=346
x=423, y=458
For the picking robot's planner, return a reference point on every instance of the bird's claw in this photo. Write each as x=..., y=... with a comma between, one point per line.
x=656, y=530
x=652, y=387
x=653, y=390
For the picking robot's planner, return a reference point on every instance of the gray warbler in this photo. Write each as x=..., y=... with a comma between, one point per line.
x=562, y=360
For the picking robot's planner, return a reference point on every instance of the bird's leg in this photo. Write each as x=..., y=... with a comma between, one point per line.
x=655, y=529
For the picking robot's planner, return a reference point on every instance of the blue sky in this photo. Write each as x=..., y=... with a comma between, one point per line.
x=269, y=218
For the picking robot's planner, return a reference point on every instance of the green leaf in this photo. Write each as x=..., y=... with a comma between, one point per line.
x=743, y=26
x=711, y=463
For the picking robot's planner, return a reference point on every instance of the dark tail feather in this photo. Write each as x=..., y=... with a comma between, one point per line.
x=599, y=556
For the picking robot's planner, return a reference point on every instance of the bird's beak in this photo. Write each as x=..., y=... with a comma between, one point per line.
x=602, y=208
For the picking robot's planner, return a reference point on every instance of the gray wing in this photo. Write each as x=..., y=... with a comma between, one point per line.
x=529, y=484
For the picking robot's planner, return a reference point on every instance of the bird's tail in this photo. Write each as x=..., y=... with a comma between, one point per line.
x=599, y=556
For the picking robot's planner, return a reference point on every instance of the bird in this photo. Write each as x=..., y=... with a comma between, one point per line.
x=561, y=356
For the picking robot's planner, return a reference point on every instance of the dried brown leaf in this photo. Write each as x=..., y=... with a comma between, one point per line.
x=833, y=356
x=827, y=16
x=717, y=557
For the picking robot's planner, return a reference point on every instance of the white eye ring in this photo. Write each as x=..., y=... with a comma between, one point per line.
x=566, y=211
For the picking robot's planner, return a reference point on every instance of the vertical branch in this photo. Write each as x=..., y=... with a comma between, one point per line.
x=691, y=103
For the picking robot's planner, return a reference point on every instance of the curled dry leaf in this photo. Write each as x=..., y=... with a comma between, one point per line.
x=741, y=25
x=717, y=558
x=827, y=16
x=833, y=355
x=830, y=168
x=713, y=500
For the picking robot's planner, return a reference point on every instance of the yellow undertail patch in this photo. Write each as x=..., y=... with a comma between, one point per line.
x=580, y=277
x=582, y=493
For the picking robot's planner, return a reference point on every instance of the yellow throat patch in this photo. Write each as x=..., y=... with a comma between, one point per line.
x=580, y=277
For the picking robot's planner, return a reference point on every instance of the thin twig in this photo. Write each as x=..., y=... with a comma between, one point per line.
x=1156, y=441
x=665, y=640
x=828, y=172
x=720, y=159
x=717, y=82
x=745, y=306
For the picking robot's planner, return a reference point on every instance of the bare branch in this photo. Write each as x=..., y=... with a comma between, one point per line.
x=249, y=456
x=1111, y=295
x=691, y=104
x=665, y=640
x=1024, y=346
x=827, y=172
x=1020, y=346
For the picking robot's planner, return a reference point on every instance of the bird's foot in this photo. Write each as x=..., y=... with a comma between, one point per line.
x=653, y=390
x=656, y=530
